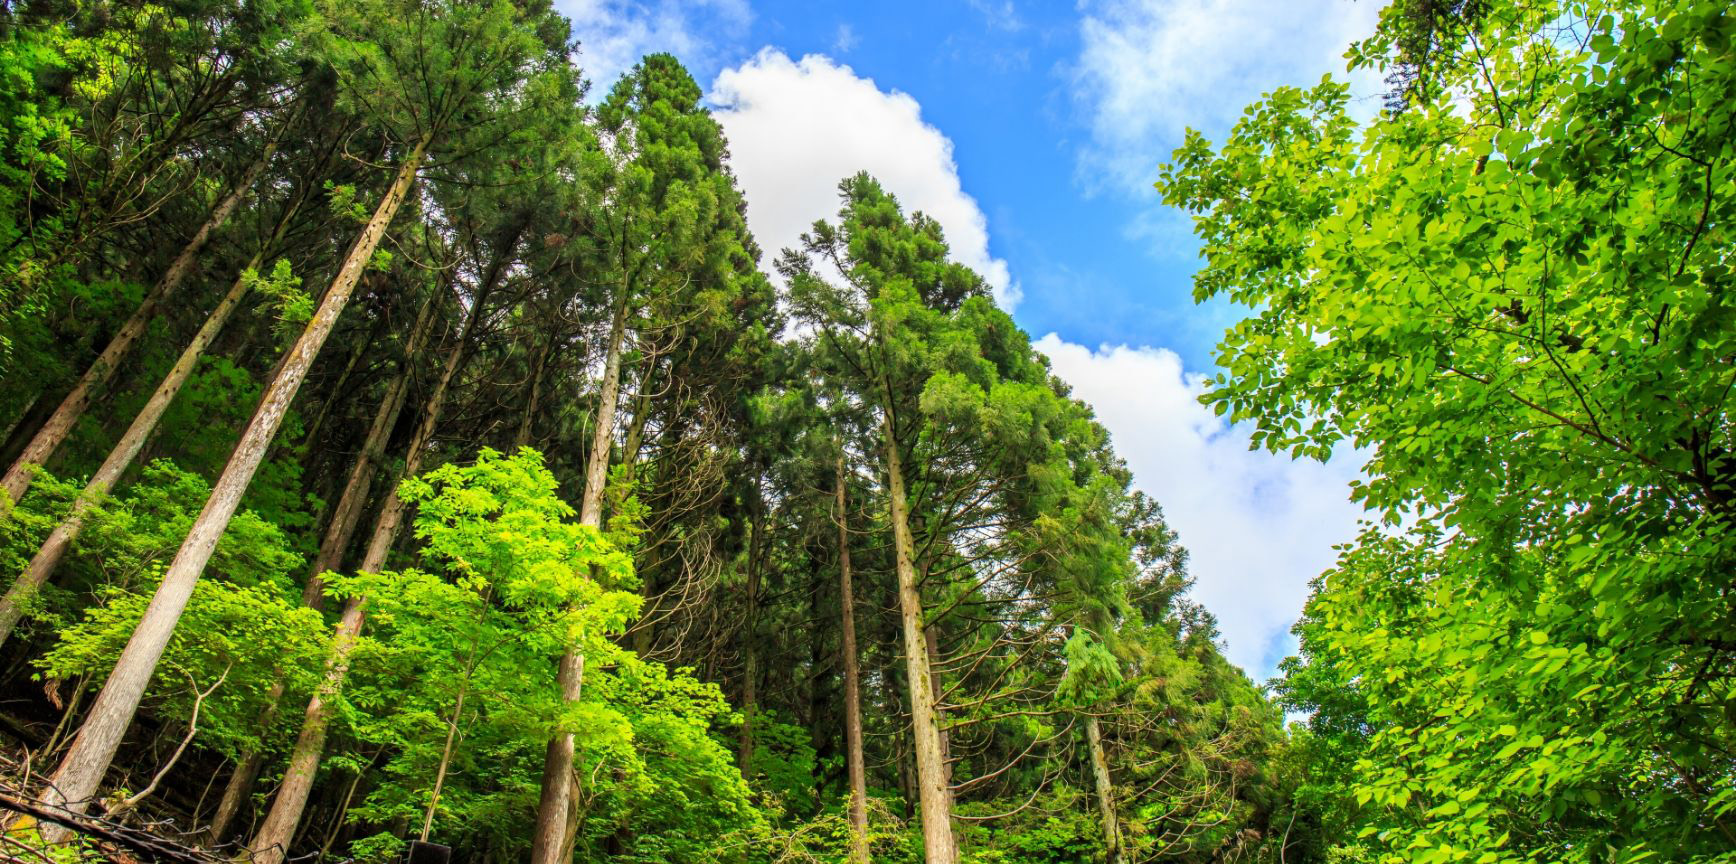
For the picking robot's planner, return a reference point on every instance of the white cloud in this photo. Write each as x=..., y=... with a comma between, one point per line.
x=999, y=16
x=845, y=40
x=1257, y=526
x=796, y=128
x=614, y=34
x=1149, y=69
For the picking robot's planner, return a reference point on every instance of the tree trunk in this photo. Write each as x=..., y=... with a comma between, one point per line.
x=24, y=427
x=539, y=367
x=932, y=788
x=643, y=633
x=931, y=637
x=339, y=531
x=240, y=786
x=446, y=751
x=75, y=782
x=339, y=818
x=557, y=781
x=1105, y=791
x=126, y=450
x=348, y=512
x=271, y=844
x=341, y=382
x=100, y=372
x=852, y=685
x=749, y=642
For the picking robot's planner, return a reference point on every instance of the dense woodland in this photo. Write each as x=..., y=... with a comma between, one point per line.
x=405, y=442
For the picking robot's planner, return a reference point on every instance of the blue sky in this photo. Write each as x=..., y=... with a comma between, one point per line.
x=1033, y=132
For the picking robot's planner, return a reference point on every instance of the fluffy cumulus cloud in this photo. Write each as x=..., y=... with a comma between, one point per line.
x=797, y=127
x=614, y=34
x=1257, y=526
x=1149, y=69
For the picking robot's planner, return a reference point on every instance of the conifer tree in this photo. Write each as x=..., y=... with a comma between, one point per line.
x=672, y=248
x=813, y=582
x=494, y=52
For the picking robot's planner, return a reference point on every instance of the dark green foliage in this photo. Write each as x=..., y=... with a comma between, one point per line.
x=543, y=237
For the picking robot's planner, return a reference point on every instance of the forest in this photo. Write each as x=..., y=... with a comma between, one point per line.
x=410, y=455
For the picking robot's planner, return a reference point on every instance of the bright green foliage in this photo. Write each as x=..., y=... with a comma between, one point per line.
x=244, y=627
x=496, y=525
x=35, y=127
x=282, y=288
x=544, y=241
x=666, y=789
x=1058, y=829
x=515, y=581
x=242, y=635
x=1512, y=294
x=125, y=542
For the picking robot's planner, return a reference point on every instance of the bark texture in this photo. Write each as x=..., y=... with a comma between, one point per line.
x=933, y=792
x=556, y=799
x=53, y=433
x=76, y=780
x=852, y=685
x=272, y=842
x=1105, y=791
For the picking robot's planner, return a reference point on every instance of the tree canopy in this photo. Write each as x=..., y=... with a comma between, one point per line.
x=405, y=444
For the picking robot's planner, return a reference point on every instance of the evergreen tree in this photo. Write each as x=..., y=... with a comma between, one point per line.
x=812, y=583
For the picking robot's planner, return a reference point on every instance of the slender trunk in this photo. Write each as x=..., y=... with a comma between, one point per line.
x=348, y=512
x=445, y=756
x=557, y=781
x=642, y=632
x=932, y=789
x=597, y=466
x=635, y=438
x=343, y=810
x=1105, y=791
x=199, y=805
x=240, y=786
x=339, y=531
x=271, y=844
x=852, y=685
x=126, y=450
x=749, y=642
x=539, y=367
x=25, y=426
x=452, y=731
x=59, y=425
x=932, y=640
x=75, y=782
x=341, y=383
